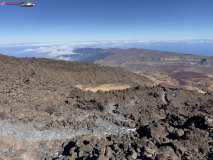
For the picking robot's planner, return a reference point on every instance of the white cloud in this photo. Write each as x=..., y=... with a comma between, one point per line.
x=63, y=58
x=51, y=51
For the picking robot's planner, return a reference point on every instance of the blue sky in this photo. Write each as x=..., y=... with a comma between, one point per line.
x=105, y=20
x=97, y=20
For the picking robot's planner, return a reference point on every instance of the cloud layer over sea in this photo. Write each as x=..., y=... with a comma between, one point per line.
x=53, y=50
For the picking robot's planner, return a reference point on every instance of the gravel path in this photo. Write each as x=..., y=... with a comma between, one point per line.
x=132, y=103
x=119, y=117
x=114, y=129
x=164, y=99
x=25, y=132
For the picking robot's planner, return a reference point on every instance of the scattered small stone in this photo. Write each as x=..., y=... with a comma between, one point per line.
x=78, y=143
x=134, y=154
x=86, y=148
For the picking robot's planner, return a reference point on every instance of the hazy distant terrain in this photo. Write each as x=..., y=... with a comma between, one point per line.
x=192, y=71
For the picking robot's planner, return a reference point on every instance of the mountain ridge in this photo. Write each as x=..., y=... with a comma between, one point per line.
x=157, y=65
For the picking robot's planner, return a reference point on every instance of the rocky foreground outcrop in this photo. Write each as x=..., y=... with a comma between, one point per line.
x=43, y=116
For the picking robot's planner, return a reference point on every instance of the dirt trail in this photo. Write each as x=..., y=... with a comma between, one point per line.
x=105, y=87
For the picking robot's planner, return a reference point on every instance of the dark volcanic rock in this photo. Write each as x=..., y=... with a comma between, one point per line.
x=2, y=114
x=49, y=102
x=86, y=148
x=155, y=130
x=78, y=143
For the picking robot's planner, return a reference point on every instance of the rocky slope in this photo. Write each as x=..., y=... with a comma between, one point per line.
x=143, y=55
x=162, y=66
x=43, y=115
x=157, y=65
